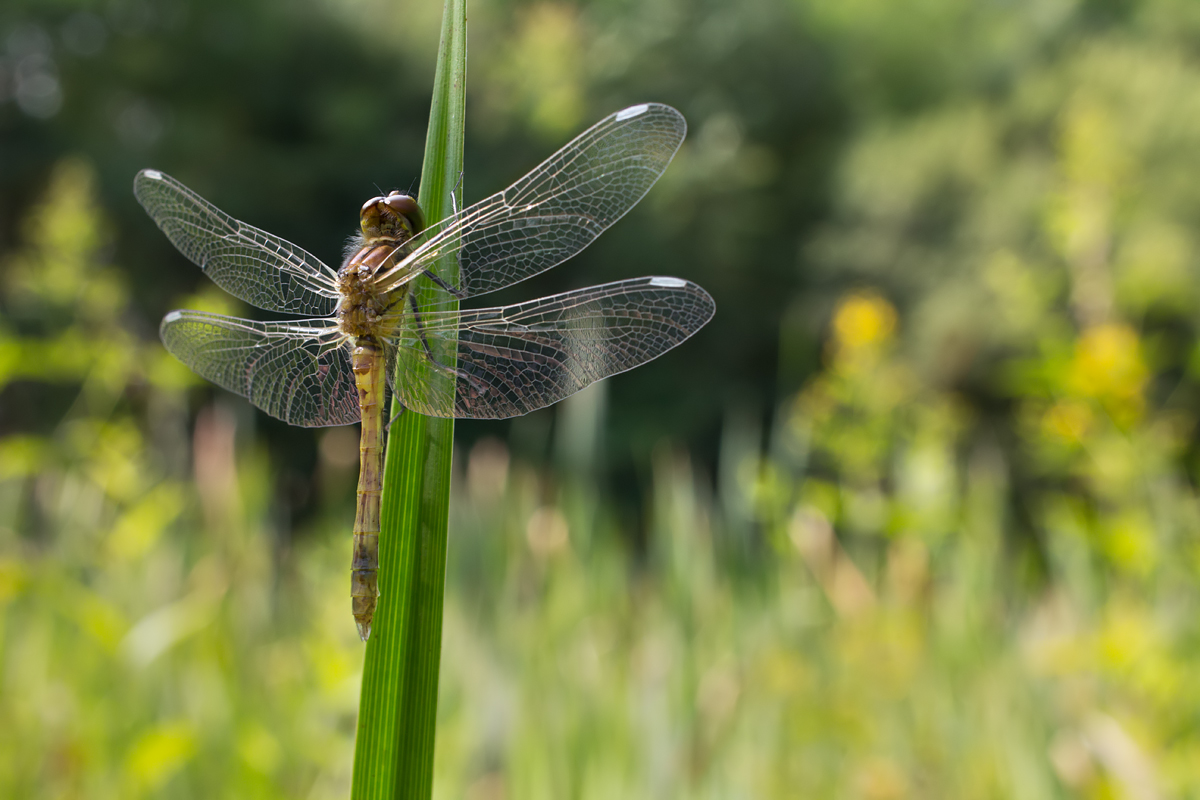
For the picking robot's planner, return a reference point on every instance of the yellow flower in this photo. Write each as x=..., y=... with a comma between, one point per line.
x=1108, y=365
x=863, y=321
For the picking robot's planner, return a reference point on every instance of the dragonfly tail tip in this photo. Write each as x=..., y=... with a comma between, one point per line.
x=364, y=630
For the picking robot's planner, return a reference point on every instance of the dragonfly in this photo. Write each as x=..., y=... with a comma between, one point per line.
x=364, y=327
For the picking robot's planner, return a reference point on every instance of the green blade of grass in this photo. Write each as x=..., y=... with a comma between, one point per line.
x=398, y=709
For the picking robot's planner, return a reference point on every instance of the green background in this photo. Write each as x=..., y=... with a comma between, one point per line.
x=915, y=516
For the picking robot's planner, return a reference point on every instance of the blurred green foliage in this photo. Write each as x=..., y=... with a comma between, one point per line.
x=954, y=246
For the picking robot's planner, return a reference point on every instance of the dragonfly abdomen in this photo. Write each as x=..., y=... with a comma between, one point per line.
x=367, y=361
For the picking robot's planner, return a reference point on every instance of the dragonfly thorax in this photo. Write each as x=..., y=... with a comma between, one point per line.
x=363, y=307
x=388, y=226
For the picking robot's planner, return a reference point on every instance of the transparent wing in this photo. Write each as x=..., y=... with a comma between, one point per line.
x=557, y=209
x=251, y=264
x=494, y=363
x=297, y=371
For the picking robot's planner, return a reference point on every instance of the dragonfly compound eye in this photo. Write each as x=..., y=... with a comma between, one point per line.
x=406, y=208
x=396, y=216
x=369, y=217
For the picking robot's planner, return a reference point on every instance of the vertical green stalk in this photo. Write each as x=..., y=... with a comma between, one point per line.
x=398, y=711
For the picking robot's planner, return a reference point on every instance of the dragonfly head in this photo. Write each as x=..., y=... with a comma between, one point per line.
x=396, y=216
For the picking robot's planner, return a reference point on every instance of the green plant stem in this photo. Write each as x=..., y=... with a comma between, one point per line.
x=398, y=710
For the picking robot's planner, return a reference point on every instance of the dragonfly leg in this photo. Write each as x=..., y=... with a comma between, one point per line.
x=416, y=309
x=399, y=414
x=459, y=293
x=454, y=191
x=457, y=373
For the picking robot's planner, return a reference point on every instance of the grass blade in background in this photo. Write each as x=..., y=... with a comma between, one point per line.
x=398, y=710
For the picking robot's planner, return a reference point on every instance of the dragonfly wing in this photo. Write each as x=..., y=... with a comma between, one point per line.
x=249, y=263
x=557, y=209
x=495, y=363
x=297, y=371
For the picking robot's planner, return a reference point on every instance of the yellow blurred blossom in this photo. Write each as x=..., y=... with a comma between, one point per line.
x=159, y=754
x=1131, y=544
x=1108, y=365
x=863, y=321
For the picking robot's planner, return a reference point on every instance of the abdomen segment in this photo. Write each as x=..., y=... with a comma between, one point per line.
x=367, y=362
